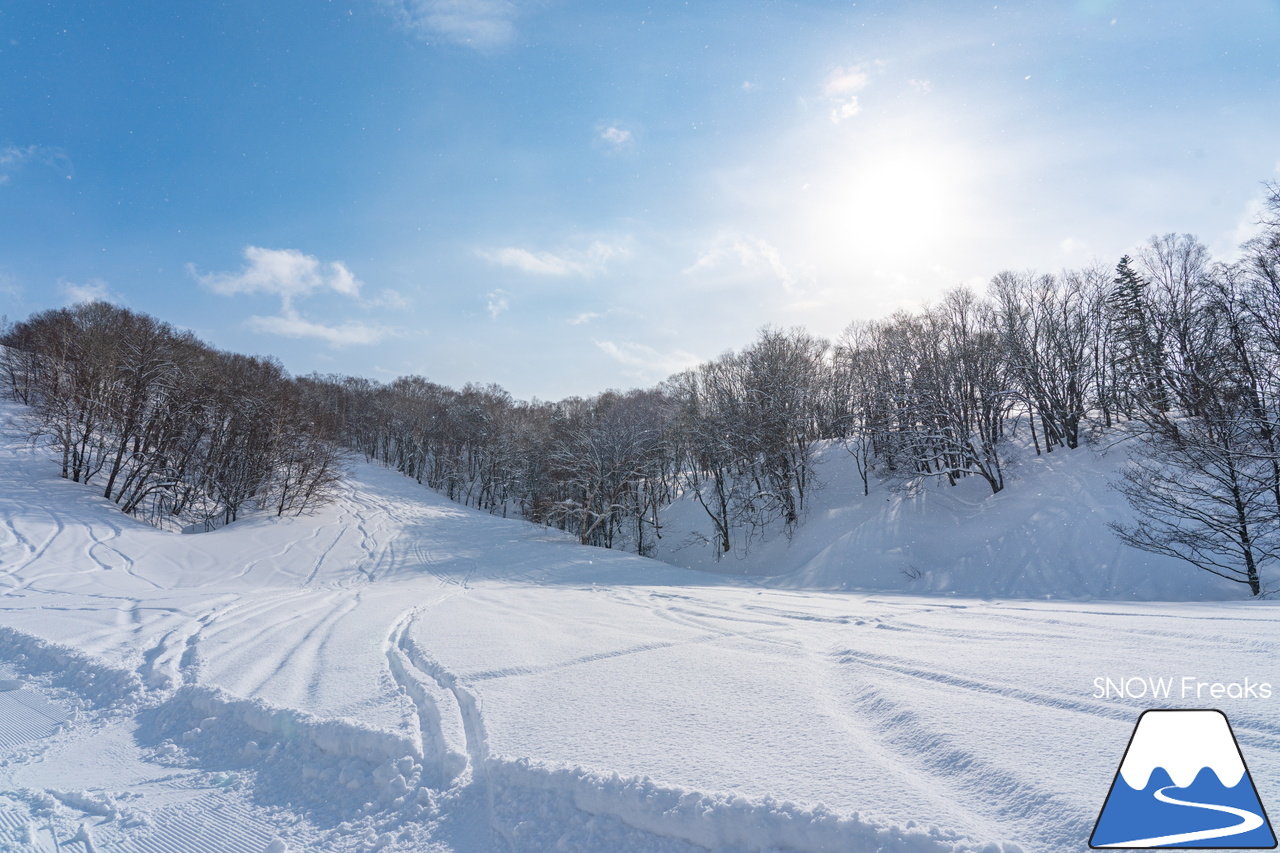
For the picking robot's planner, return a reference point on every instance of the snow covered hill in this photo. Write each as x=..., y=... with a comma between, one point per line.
x=398, y=673
x=1044, y=536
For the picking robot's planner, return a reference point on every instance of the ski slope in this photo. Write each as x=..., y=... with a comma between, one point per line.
x=398, y=673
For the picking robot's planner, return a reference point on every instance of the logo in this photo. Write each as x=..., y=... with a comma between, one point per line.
x=1183, y=783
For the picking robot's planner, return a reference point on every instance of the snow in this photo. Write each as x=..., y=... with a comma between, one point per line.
x=395, y=672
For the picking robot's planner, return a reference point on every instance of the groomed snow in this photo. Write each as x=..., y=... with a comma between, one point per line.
x=396, y=672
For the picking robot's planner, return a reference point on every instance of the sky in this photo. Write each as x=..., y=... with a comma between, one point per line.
x=562, y=196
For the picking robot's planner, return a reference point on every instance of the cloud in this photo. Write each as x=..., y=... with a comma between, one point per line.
x=388, y=298
x=480, y=24
x=10, y=288
x=286, y=273
x=1072, y=246
x=583, y=318
x=496, y=303
x=293, y=276
x=290, y=325
x=580, y=263
x=650, y=362
x=841, y=88
x=14, y=158
x=750, y=253
x=924, y=87
x=616, y=135
x=95, y=291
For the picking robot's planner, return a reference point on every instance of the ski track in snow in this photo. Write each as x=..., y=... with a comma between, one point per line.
x=395, y=672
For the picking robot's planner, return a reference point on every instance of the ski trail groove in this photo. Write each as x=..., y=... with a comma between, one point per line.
x=442, y=739
x=996, y=792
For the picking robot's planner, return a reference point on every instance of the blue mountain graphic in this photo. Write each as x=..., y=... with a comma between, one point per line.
x=1130, y=815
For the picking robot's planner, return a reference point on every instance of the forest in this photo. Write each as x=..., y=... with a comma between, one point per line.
x=1169, y=350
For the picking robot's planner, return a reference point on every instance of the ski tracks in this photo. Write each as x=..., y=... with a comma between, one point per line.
x=451, y=732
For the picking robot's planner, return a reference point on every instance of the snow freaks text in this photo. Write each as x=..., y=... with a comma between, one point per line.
x=1178, y=687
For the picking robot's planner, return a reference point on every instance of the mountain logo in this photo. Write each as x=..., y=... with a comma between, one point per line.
x=1182, y=783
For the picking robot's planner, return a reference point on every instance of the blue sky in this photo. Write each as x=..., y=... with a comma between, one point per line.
x=563, y=196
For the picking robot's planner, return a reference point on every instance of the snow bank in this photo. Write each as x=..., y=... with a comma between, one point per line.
x=68, y=668
x=715, y=822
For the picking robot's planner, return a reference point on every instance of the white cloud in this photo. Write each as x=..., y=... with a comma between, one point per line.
x=580, y=263
x=286, y=273
x=924, y=87
x=750, y=253
x=616, y=136
x=95, y=291
x=293, y=276
x=14, y=158
x=393, y=299
x=841, y=89
x=496, y=303
x=1072, y=246
x=845, y=81
x=1246, y=227
x=10, y=288
x=481, y=24
x=847, y=109
x=650, y=363
x=290, y=325
x=583, y=318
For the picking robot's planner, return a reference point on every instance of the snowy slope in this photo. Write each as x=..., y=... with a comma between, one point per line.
x=1044, y=536
x=396, y=672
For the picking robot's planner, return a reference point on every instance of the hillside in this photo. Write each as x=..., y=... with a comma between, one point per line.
x=1045, y=536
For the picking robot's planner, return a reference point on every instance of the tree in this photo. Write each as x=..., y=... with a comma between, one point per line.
x=1137, y=348
x=1204, y=496
x=1204, y=479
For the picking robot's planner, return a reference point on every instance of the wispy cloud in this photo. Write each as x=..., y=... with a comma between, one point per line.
x=583, y=318
x=496, y=303
x=290, y=325
x=291, y=276
x=95, y=291
x=648, y=362
x=1072, y=246
x=842, y=87
x=10, y=288
x=615, y=136
x=749, y=253
x=388, y=298
x=481, y=24
x=584, y=263
x=14, y=158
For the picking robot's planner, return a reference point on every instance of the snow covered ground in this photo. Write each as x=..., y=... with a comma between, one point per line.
x=396, y=672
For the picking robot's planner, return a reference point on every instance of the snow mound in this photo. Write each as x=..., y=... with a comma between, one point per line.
x=1045, y=535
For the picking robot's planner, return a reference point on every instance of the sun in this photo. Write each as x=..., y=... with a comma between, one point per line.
x=891, y=203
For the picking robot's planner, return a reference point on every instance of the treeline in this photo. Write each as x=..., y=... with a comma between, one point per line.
x=171, y=430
